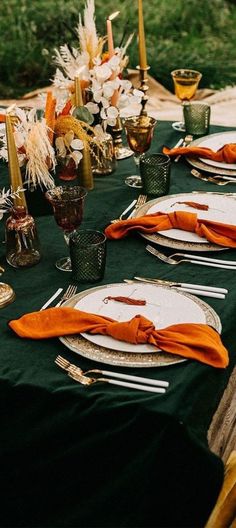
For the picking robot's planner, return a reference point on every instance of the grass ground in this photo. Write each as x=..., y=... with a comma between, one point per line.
x=179, y=33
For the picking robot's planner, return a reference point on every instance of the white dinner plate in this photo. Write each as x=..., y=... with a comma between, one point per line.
x=164, y=307
x=221, y=209
x=215, y=142
x=167, y=306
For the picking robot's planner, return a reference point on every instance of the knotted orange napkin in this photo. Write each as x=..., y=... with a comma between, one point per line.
x=215, y=232
x=226, y=154
x=193, y=341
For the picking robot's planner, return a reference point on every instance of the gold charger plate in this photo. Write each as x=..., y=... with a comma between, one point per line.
x=196, y=162
x=87, y=349
x=157, y=238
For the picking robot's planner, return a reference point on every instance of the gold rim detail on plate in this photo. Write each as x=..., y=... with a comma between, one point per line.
x=80, y=345
x=156, y=238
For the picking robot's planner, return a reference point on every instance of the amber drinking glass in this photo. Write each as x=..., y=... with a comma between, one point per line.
x=139, y=132
x=185, y=84
x=68, y=204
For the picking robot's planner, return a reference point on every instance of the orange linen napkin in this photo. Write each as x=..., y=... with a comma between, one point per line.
x=215, y=232
x=226, y=154
x=190, y=340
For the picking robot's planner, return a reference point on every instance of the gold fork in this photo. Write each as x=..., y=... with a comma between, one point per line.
x=140, y=201
x=74, y=370
x=78, y=375
x=71, y=290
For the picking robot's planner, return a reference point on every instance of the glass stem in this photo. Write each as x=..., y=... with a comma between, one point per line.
x=66, y=237
x=137, y=159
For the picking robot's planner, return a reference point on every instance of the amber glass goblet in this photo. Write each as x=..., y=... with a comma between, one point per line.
x=139, y=132
x=68, y=204
x=185, y=84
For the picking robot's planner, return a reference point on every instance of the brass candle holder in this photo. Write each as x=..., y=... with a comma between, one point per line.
x=143, y=87
x=120, y=151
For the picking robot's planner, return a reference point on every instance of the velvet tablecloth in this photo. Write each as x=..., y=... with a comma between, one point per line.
x=107, y=456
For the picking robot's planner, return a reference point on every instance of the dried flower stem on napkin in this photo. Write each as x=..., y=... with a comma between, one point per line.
x=195, y=205
x=125, y=300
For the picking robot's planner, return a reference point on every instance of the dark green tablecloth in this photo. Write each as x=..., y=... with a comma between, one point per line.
x=107, y=456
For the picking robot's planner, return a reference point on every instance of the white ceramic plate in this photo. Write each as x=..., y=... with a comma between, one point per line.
x=221, y=209
x=215, y=142
x=164, y=307
x=81, y=346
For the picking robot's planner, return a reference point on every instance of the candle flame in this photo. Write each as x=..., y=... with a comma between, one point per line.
x=113, y=15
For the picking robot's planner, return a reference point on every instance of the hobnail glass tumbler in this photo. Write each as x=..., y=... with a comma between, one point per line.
x=88, y=255
x=155, y=174
x=197, y=118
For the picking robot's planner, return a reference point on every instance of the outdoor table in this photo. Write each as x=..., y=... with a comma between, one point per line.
x=107, y=456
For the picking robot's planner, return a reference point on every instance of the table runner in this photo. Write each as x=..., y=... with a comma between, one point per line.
x=107, y=457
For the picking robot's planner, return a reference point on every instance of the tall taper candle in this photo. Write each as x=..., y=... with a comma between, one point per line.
x=85, y=169
x=111, y=50
x=13, y=164
x=78, y=92
x=110, y=43
x=141, y=35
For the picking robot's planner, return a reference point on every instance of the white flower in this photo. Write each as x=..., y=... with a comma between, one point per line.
x=97, y=95
x=92, y=107
x=69, y=147
x=105, y=103
x=114, y=62
x=112, y=112
x=125, y=85
x=137, y=93
x=103, y=72
x=110, y=115
x=76, y=156
x=123, y=101
x=77, y=144
x=60, y=146
x=103, y=113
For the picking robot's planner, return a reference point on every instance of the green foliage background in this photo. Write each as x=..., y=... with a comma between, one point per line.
x=198, y=34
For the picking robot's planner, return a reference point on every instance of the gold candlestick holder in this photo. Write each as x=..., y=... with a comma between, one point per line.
x=120, y=151
x=143, y=87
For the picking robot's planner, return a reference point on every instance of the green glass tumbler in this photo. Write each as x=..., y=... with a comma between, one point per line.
x=155, y=174
x=88, y=255
x=197, y=118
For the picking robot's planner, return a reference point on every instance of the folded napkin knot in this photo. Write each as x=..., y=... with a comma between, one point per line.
x=216, y=232
x=189, y=340
x=183, y=220
x=226, y=154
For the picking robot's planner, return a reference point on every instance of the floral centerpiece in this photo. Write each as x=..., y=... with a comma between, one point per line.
x=105, y=93
x=46, y=140
x=88, y=89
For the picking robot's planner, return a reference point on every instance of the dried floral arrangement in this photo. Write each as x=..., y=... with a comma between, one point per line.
x=87, y=89
x=47, y=138
x=106, y=95
x=6, y=200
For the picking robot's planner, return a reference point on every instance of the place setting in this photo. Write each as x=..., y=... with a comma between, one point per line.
x=131, y=325
x=214, y=156
x=210, y=207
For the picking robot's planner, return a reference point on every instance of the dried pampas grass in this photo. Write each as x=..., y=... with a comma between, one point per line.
x=41, y=157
